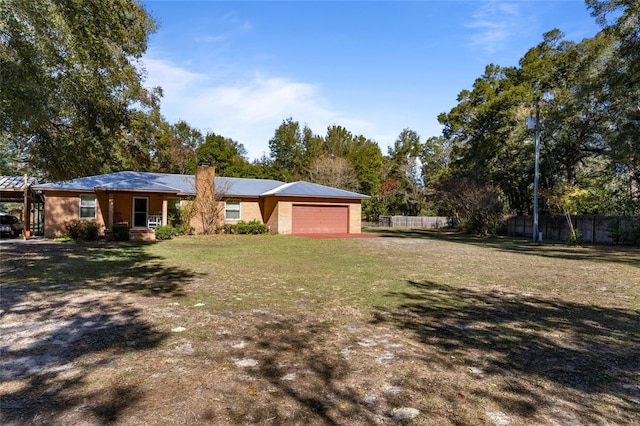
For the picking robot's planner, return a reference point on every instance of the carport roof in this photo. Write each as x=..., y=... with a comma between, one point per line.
x=185, y=185
x=15, y=183
x=12, y=188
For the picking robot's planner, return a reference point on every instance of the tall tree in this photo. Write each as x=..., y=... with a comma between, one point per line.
x=69, y=74
x=135, y=147
x=486, y=131
x=286, y=149
x=405, y=170
x=176, y=150
x=336, y=172
x=226, y=155
x=313, y=147
x=573, y=126
x=621, y=77
x=406, y=147
x=436, y=158
x=366, y=158
x=338, y=141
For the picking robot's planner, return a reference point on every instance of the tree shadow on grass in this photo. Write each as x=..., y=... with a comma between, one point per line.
x=306, y=375
x=600, y=253
x=587, y=353
x=62, y=267
x=65, y=315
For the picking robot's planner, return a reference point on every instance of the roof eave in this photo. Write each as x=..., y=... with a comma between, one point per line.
x=328, y=197
x=63, y=189
x=143, y=191
x=98, y=189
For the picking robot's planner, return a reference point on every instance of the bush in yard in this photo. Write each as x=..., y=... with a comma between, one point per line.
x=478, y=206
x=91, y=231
x=73, y=229
x=77, y=229
x=254, y=227
x=228, y=228
x=183, y=229
x=120, y=232
x=164, y=232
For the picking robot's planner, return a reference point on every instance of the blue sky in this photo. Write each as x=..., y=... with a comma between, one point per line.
x=374, y=67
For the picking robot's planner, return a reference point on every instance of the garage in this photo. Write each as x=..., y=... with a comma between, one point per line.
x=320, y=219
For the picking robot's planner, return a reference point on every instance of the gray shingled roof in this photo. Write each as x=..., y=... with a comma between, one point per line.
x=184, y=184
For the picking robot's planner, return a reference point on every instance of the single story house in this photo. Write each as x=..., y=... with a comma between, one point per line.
x=145, y=200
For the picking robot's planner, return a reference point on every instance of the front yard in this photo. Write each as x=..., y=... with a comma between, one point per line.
x=413, y=327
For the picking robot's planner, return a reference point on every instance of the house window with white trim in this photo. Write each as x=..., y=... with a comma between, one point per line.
x=87, y=207
x=232, y=210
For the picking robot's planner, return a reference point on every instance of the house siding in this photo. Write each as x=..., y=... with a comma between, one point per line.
x=281, y=208
x=355, y=218
x=285, y=216
x=64, y=206
x=270, y=213
x=250, y=210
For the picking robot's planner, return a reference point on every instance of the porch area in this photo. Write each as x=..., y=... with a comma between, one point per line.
x=142, y=214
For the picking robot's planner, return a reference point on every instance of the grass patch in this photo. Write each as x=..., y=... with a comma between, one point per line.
x=286, y=330
x=279, y=272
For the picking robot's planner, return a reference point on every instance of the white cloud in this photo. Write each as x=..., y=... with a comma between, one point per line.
x=173, y=79
x=248, y=109
x=494, y=23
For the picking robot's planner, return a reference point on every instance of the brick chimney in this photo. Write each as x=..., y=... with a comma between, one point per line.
x=205, y=180
x=205, y=198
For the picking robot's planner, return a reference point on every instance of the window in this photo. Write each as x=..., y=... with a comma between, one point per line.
x=232, y=210
x=87, y=207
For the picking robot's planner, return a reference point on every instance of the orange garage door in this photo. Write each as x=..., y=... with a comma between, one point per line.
x=320, y=219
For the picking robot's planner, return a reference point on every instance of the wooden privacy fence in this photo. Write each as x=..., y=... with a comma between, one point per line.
x=414, y=222
x=595, y=229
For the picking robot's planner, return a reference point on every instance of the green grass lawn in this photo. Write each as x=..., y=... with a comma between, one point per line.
x=287, y=330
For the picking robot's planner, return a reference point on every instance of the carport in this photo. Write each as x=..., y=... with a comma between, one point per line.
x=19, y=190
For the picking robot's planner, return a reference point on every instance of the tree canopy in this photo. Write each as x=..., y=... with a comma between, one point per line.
x=69, y=75
x=226, y=155
x=589, y=96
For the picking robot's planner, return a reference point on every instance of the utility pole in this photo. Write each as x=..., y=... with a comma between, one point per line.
x=536, y=174
x=535, y=124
